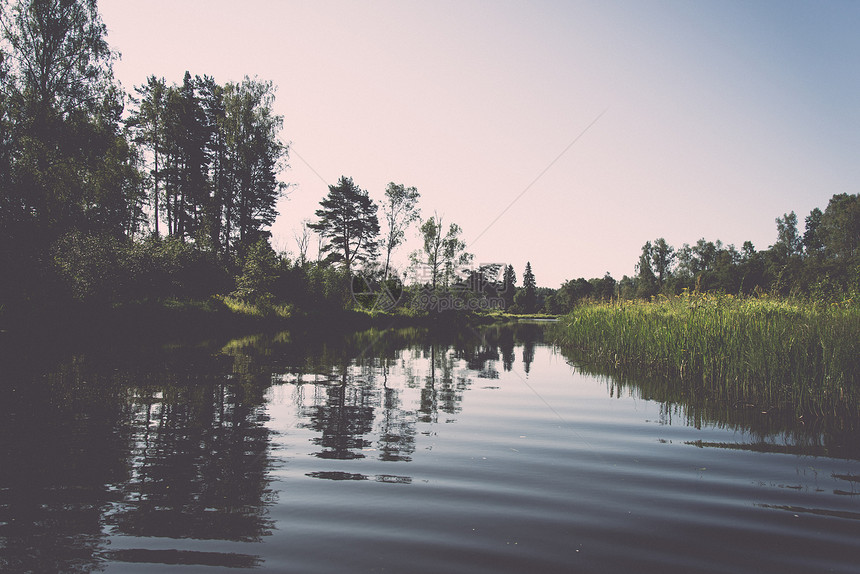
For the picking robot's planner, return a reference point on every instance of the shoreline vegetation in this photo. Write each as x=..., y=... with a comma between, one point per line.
x=764, y=351
x=173, y=319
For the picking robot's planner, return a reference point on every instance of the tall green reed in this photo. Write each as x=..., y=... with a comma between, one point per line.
x=764, y=350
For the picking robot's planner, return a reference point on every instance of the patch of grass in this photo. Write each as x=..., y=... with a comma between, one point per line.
x=504, y=316
x=211, y=305
x=765, y=350
x=262, y=309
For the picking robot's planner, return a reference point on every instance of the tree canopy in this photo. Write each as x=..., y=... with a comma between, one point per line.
x=214, y=157
x=68, y=164
x=400, y=210
x=348, y=220
x=443, y=254
x=526, y=298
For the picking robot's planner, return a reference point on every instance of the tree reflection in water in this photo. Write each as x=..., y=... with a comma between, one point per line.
x=174, y=443
x=199, y=457
x=61, y=447
x=167, y=446
x=354, y=410
x=343, y=420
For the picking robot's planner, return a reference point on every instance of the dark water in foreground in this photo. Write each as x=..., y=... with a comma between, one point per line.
x=403, y=452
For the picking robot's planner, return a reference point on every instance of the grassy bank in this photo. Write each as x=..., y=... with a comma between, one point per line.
x=501, y=316
x=173, y=320
x=772, y=352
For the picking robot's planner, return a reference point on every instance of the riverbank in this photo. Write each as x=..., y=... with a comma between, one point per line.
x=143, y=328
x=765, y=351
x=170, y=321
x=501, y=316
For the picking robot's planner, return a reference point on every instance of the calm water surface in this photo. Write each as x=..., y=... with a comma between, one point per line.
x=406, y=452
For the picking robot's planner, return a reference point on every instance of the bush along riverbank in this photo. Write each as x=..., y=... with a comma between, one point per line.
x=766, y=351
x=174, y=320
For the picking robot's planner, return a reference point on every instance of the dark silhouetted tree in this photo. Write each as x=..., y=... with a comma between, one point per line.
x=840, y=227
x=253, y=156
x=812, y=242
x=509, y=286
x=646, y=282
x=148, y=124
x=788, y=241
x=73, y=168
x=66, y=162
x=348, y=220
x=443, y=255
x=662, y=258
x=526, y=298
x=399, y=210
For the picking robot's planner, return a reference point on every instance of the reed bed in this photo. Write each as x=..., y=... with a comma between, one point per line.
x=764, y=350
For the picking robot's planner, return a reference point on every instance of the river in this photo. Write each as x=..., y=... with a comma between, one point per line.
x=404, y=451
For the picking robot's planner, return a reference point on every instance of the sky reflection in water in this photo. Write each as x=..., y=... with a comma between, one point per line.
x=480, y=452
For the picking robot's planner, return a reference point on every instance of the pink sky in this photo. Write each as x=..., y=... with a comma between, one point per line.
x=717, y=116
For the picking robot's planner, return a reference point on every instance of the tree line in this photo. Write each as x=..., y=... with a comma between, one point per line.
x=821, y=262
x=169, y=192
x=108, y=195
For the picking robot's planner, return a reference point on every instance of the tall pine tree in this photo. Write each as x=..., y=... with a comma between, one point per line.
x=527, y=301
x=215, y=155
x=253, y=158
x=348, y=220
